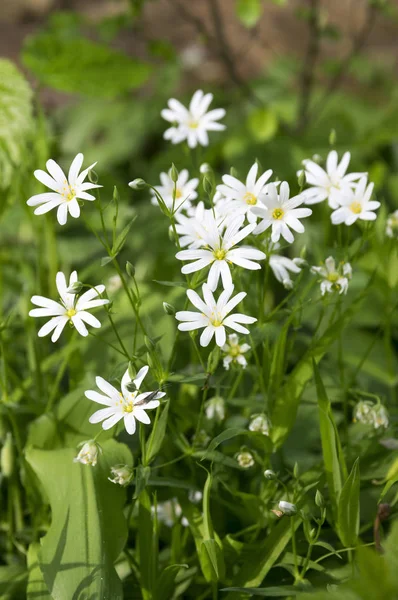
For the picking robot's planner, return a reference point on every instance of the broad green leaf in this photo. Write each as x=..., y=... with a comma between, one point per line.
x=333, y=459
x=88, y=529
x=146, y=546
x=285, y=408
x=258, y=562
x=37, y=589
x=80, y=66
x=16, y=121
x=156, y=438
x=249, y=11
x=348, y=512
x=166, y=581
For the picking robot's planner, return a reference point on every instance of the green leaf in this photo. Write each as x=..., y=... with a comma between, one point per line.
x=263, y=124
x=333, y=460
x=227, y=434
x=80, y=66
x=146, y=547
x=88, y=530
x=16, y=121
x=211, y=555
x=249, y=12
x=166, y=581
x=156, y=438
x=121, y=238
x=105, y=260
x=348, y=512
x=269, y=592
x=181, y=284
x=37, y=589
x=141, y=479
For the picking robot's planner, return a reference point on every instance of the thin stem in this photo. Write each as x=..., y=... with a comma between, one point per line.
x=308, y=71
x=123, y=347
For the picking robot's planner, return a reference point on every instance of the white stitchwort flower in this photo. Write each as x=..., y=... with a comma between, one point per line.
x=245, y=459
x=260, y=423
x=219, y=251
x=392, y=225
x=88, y=454
x=213, y=315
x=278, y=211
x=71, y=308
x=287, y=508
x=193, y=123
x=121, y=475
x=369, y=413
x=234, y=352
x=356, y=204
x=190, y=228
x=215, y=409
x=241, y=197
x=66, y=190
x=333, y=278
x=282, y=266
x=125, y=405
x=330, y=183
x=184, y=190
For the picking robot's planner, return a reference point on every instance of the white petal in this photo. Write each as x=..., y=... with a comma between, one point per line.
x=129, y=423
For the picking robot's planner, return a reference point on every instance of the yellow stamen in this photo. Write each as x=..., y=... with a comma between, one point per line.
x=250, y=199
x=71, y=312
x=129, y=407
x=219, y=254
x=333, y=277
x=193, y=124
x=356, y=207
x=178, y=193
x=278, y=213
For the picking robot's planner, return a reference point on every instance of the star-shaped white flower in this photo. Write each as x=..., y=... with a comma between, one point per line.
x=185, y=190
x=192, y=227
x=193, y=123
x=330, y=183
x=213, y=316
x=126, y=404
x=234, y=352
x=278, y=211
x=356, y=204
x=333, y=278
x=66, y=190
x=282, y=266
x=238, y=197
x=219, y=250
x=70, y=308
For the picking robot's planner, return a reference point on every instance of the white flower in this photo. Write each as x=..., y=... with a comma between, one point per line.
x=169, y=512
x=281, y=265
x=121, y=475
x=71, y=308
x=215, y=409
x=260, y=423
x=380, y=417
x=269, y=474
x=212, y=315
x=190, y=228
x=88, y=454
x=245, y=460
x=331, y=183
x=356, y=204
x=66, y=190
x=193, y=123
x=234, y=352
x=392, y=225
x=184, y=190
x=287, y=508
x=334, y=278
x=241, y=197
x=368, y=413
x=219, y=251
x=114, y=284
x=125, y=405
x=278, y=211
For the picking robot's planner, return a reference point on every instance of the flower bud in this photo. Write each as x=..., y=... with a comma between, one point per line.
x=319, y=499
x=245, y=459
x=75, y=288
x=7, y=457
x=215, y=409
x=332, y=137
x=302, y=179
x=121, y=475
x=169, y=309
x=260, y=424
x=287, y=508
x=173, y=173
x=130, y=269
x=269, y=474
x=138, y=184
x=205, y=168
x=115, y=196
x=296, y=471
x=233, y=172
x=207, y=185
x=88, y=454
x=132, y=371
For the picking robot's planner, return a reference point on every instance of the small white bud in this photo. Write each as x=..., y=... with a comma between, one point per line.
x=205, y=168
x=137, y=184
x=287, y=508
x=260, y=423
x=88, y=454
x=269, y=474
x=121, y=475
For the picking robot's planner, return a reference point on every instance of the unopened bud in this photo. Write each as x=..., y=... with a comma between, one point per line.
x=132, y=371
x=121, y=475
x=260, y=424
x=169, y=309
x=7, y=457
x=173, y=173
x=75, y=288
x=269, y=474
x=207, y=185
x=332, y=137
x=88, y=454
x=302, y=179
x=138, y=184
x=233, y=172
x=287, y=508
x=319, y=499
x=115, y=196
x=130, y=269
x=205, y=168
x=296, y=471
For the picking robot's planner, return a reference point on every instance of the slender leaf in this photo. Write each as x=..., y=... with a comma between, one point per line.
x=156, y=438
x=348, y=515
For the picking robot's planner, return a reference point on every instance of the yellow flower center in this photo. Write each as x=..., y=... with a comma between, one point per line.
x=250, y=199
x=234, y=351
x=333, y=277
x=71, y=312
x=278, y=213
x=128, y=408
x=356, y=207
x=178, y=193
x=67, y=192
x=193, y=124
x=219, y=254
